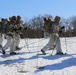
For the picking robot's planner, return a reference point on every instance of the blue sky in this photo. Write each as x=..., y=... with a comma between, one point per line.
x=31, y=8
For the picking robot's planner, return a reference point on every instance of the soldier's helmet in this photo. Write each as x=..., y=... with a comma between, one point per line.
x=18, y=17
x=10, y=18
x=13, y=17
x=2, y=19
x=57, y=18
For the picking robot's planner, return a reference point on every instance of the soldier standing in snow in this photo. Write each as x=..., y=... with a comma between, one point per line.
x=1, y=27
x=3, y=23
x=20, y=27
x=18, y=32
x=10, y=36
x=54, y=37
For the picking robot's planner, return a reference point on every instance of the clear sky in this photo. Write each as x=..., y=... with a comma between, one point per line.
x=31, y=8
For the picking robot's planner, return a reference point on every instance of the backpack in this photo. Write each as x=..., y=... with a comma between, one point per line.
x=48, y=24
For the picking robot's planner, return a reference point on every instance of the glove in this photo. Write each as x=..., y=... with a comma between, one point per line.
x=14, y=29
x=62, y=27
x=20, y=28
x=25, y=28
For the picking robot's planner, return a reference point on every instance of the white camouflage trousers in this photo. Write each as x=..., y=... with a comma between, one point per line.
x=17, y=39
x=54, y=40
x=10, y=43
x=1, y=39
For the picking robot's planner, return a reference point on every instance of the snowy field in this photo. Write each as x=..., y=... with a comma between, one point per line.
x=28, y=62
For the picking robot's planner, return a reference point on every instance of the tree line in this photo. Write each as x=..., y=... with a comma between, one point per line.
x=35, y=25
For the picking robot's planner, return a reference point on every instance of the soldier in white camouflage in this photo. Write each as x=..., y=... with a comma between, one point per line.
x=10, y=36
x=20, y=27
x=18, y=32
x=3, y=23
x=54, y=37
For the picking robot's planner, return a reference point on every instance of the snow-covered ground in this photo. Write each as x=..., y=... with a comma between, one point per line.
x=27, y=62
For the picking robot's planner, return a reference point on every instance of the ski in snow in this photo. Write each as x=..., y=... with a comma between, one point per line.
x=51, y=54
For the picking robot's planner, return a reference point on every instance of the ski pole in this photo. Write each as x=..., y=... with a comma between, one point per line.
x=65, y=41
x=26, y=41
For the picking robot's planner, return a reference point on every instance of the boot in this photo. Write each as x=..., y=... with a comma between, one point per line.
x=13, y=53
x=0, y=46
x=59, y=53
x=43, y=52
x=3, y=52
x=18, y=48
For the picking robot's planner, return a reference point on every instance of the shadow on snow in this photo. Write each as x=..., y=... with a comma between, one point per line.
x=12, y=61
x=58, y=66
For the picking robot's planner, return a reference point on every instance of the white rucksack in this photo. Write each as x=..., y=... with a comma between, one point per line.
x=48, y=24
